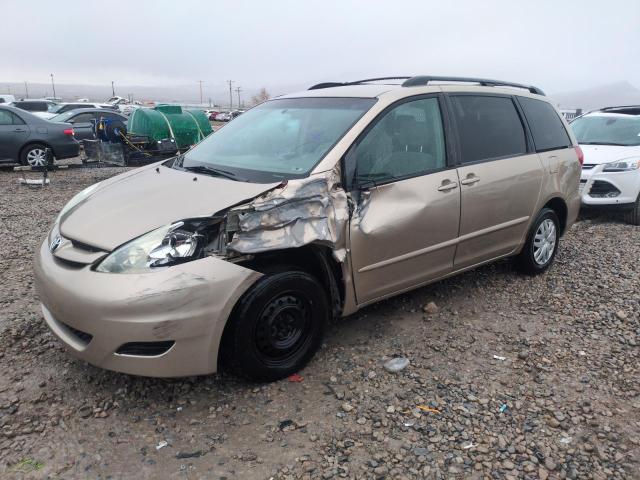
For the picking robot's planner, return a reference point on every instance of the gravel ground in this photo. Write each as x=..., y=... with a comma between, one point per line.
x=509, y=377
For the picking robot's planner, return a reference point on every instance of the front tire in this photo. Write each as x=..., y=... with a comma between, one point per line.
x=540, y=249
x=276, y=327
x=632, y=217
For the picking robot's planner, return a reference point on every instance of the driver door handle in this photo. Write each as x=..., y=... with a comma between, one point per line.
x=470, y=180
x=447, y=185
x=19, y=129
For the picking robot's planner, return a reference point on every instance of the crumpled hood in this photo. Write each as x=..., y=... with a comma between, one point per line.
x=127, y=206
x=599, y=154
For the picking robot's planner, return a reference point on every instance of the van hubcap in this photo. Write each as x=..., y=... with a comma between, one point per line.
x=544, y=243
x=282, y=328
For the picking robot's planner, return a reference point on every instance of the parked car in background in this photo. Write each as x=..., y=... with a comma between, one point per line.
x=39, y=108
x=5, y=98
x=610, y=140
x=212, y=115
x=24, y=137
x=223, y=117
x=85, y=119
x=65, y=107
x=310, y=205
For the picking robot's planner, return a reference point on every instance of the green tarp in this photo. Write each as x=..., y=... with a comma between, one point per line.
x=185, y=126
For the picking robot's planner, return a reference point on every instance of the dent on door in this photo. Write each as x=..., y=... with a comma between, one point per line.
x=404, y=233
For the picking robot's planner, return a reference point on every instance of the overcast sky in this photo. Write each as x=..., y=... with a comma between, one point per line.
x=556, y=44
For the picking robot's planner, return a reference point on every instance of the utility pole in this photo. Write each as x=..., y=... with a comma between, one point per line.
x=26, y=89
x=239, y=90
x=200, y=82
x=113, y=89
x=230, y=82
x=53, y=85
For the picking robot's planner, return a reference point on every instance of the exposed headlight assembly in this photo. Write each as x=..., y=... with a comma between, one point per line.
x=625, y=165
x=169, y=245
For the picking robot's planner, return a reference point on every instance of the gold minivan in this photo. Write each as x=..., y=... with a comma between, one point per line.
x=308, y=206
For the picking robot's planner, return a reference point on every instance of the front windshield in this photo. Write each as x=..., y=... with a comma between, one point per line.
x=54, y=107
x=614, y=129
x=280, y=139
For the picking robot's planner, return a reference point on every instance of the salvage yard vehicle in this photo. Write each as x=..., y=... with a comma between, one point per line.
x=610, y=139
x=307, y=206
x=25, y=137
x=39, y=108
x=65, y=107
x=85, y=119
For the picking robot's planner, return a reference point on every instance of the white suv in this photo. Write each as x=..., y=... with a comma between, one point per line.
x=610, y=140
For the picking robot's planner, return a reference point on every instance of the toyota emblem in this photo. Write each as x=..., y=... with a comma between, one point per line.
x=55, y=243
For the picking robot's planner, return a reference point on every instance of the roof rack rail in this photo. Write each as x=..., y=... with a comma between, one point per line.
x=620, y=107
x=356, y=82
x=423, y=80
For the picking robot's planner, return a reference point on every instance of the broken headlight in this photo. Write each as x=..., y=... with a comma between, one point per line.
x=163, y=247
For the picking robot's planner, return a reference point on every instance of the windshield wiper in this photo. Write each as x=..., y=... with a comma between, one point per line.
x=217, y=172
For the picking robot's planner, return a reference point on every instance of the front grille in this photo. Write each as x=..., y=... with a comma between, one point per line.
x=84, y=337
x=145, y=349
x=588, y=166
x=84, y=246
x=600, y=188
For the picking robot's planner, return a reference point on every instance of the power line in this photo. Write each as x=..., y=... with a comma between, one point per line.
x=230, y=82
x=239, y=90
x=200, y=82
x=53, y=85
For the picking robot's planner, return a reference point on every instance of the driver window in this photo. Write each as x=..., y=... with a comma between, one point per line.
x=408, y=141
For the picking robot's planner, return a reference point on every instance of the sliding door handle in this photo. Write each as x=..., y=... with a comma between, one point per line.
x=470, y=180
x=447, y=186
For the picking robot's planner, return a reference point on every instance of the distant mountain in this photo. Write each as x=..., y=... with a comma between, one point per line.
x=619, y=93
x=190, y=94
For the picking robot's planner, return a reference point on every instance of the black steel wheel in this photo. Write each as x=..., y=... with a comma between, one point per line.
x=276, y=327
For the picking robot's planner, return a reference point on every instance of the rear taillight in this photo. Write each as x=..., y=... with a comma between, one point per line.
x=68, y=131
x=580, y=154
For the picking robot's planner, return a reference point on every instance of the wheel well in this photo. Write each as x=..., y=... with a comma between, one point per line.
x=34, y=142
x=315, y=260
x=560, y=207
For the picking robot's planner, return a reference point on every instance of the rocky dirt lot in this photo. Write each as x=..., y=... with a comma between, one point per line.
x=509, y=377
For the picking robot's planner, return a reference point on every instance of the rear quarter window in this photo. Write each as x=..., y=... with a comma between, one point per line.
x=546, y=127
x=489, y=127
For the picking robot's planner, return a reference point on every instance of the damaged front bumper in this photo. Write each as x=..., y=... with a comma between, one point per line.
x=167, y=323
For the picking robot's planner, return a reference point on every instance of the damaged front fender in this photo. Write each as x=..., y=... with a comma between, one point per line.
x=311, y=210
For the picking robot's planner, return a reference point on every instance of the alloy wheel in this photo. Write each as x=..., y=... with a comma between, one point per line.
x=544, y=242
x=36, y=157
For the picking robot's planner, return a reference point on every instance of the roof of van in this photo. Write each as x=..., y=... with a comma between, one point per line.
x=374, y=87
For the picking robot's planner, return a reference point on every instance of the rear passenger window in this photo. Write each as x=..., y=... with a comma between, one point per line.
x=5, y=118
x=545, y=125
x=488, y=127
x=407, y=141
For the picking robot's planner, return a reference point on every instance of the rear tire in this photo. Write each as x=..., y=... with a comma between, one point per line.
x=541, y=246
x=633, y=216
x=33, y=155
x=276, y=327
